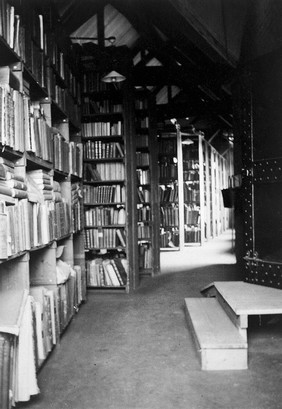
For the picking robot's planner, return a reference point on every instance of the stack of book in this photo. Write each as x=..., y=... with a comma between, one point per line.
x=11, y=184
x=42, y=182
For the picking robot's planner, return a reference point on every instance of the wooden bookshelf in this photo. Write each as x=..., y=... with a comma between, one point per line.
x=41, y=207
x=147, y=185
x=192, y=175
x=109, y=201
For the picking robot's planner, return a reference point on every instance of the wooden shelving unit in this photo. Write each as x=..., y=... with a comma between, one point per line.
x=192, y=175
x=147, y=185
x=109, y=198
x=41, y=170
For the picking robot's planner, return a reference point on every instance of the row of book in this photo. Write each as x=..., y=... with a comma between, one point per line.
x=191, y=164
x=91, y=107
x=142, y=141
x=168, y=193
x=23, y=126
x=191, y=215
x=191, y=175
x=103, y=194
x=143, y=231
x=105, y=216
x=11, y=118
x=107, y=272
x=169, y=216
x=169, y=238
x=142, y=159
x=103, y=150
x=191, y=192
x=94, y=129
x=143, y=195
x=61, y=153
x=141, y=103
x=37, y=132
x=144, y=256
x=143, y=213
x=168, y=171
x=111, y=171
x=143, y=123
x=31, y=224
x=54, y=308
x=76, y=158
x=192, y=234
x=73, y=109
x=10, y=26
x=91, y=81
x=104, y=238
x=143, y=176
x=168, y=146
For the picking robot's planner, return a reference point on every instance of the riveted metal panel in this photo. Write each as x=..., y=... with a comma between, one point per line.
x=268, y=171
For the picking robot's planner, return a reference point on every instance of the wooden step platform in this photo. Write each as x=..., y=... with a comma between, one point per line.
x=247, y=299
x=240, y=299
x=219, y=342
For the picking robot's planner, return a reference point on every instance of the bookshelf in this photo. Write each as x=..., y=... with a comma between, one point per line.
x=169, y=175
x=191, y=176
x=193, y=189
x=109, y=201
x=42, y=245
x=147, y=185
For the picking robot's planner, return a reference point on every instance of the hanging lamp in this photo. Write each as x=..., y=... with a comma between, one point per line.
x=113, y=77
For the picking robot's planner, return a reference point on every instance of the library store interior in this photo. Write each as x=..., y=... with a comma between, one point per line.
x=140, y=204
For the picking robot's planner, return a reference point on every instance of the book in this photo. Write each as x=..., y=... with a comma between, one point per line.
x=12, y=304
x=5, y=369
x=121, y=236
x=122, y=272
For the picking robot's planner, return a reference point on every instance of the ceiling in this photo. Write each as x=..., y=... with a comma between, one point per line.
x=184, y=51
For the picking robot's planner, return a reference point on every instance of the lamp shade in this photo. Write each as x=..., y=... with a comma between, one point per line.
x=113, y=76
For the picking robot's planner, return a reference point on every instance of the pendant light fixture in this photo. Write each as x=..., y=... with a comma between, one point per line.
x=113, y=77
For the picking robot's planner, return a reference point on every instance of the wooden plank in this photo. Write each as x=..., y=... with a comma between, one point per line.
x=250, y=299
x=212, y=326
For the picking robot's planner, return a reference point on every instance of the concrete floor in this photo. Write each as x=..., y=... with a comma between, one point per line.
x=136, y=352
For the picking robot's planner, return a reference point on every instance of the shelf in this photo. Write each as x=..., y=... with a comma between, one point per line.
x=104, y=204
x=104, y=182
x=35, y=162
x=102, y=115
x=102, y=160
x=118, y=248
x=8, y=56
x=35, y=88
x=99, y=137
x=106, y=226
x=14, y=256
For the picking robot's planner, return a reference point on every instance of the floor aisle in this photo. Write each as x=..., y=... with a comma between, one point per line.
x=136, y=352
